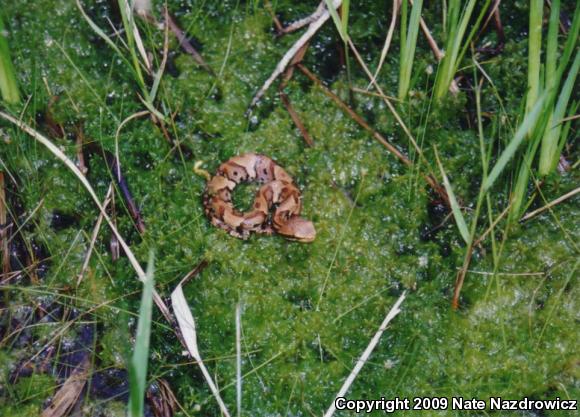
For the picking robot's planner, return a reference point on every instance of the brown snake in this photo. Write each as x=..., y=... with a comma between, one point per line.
x=278, y=192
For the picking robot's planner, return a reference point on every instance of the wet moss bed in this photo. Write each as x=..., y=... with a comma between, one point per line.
x=308, y=310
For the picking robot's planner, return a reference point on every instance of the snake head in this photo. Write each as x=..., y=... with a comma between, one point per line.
x=297, y=228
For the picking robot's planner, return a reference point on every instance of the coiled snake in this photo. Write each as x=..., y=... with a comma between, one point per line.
x=278, y=192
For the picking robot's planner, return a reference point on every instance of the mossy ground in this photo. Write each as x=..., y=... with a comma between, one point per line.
x=308, y=311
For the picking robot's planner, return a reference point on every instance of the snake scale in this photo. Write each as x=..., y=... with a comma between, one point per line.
x=278, y=192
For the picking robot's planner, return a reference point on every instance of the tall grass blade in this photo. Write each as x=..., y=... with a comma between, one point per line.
x=331, y=6
x=345, y=14
x=140, y=358
x=518, y=193
x=134, y=42
x=408, y=52
x=527, y=125
x=551, y=141
x=104, y=36
x=456, y=32
x=455, y=208
x=552, y=44
x=534, y=52
x=8, y=84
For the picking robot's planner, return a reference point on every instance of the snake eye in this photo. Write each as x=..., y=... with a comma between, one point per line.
x=265, y=171
x=235, y=173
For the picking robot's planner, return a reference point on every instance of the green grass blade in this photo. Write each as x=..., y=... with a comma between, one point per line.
x=129, y=25
x=455, y=208
x=103, y=35
x=408, y=54
x=336, y=19
x=404, y=7
x=140, y=358
x=8, y=84
x=571, y=41
x=456, y=31
x=552, y=43
x=534, y=52
x=527, y=126
x=518, y=193
x=345, y=14
x=550, y=142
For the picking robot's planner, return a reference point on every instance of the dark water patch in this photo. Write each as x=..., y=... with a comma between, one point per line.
x=110, y=384
x=324, y=57
x=170, y=66
x=61, y=220
x=300, y=298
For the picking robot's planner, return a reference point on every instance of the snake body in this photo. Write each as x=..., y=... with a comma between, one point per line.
x=278, y=192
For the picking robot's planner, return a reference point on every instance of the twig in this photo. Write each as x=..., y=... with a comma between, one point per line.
x=186, y=45
x=194, y=272
x=550, y=204
x=79, y=151
x=70, y=392
x=493, y=14
x=289, y=55
x=380, y=138
x=461, y=276
x=299, y=24
x=366, y=354
x=288, y=73
x=114, y=242
x=430, y=178
x=127, y=196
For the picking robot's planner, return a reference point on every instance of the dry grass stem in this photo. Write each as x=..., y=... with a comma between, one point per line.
x=287, y=76
x=492, y=226
x=358, y=119
x=238, y=360
x=69, y=393
x=380, y=138
x=366, y=354
x=72, y=167
x=187, y=326
x=550, y=204
x=388, y=39
x=186, y=45
x=94, y=235
x=299, y=24
x=294, y=49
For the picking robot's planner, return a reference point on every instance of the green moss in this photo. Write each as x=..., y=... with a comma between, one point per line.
x=308, y=311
